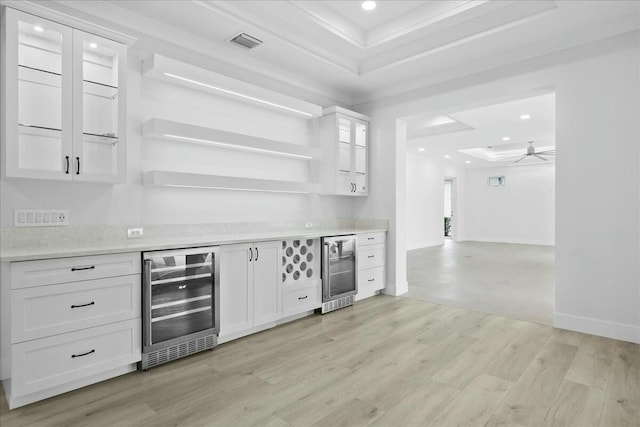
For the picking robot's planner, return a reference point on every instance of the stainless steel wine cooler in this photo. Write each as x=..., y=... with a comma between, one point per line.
x=181, y=304
x=339, y=266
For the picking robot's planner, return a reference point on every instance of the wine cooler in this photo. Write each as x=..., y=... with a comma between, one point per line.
x=181, y=304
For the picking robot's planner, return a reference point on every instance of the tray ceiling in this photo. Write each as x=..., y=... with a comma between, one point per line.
x=354, y=55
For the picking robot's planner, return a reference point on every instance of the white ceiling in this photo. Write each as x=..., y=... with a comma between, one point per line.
x=340, y=51
x=367, y=20
x=486, y=127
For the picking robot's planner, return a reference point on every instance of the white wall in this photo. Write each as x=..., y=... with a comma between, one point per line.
x=426, y=174
x=132, y=203
x=425, y=200
x=523, y=211
x=597, y=134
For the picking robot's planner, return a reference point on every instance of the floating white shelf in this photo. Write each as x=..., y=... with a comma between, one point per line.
x=167, y=129
x=193, y=180
x=195, y=77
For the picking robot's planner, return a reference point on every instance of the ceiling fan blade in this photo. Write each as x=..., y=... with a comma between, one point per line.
x=521, y=158
x=547, y=153
x=540, y=157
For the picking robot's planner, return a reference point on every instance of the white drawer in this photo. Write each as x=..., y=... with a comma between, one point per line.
x=371, y=256
x=48, y=310
x=371, y=279
x=48, y=362
x=298, y=299
x=371, y=238
x=25, y=274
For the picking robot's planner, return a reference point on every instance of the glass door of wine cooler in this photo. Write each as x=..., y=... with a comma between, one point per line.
x=180, y=295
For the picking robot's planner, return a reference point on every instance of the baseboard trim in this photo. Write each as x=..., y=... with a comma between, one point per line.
x=603, y=328
x=427, y=245
x=396, y=290
x=512, y=241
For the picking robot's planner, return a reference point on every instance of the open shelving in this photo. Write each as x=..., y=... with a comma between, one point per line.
x=176, y=131
x=195, y=77
x=220, y=182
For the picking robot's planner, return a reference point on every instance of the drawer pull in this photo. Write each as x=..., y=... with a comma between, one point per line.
x=304, y=297
x=371, y=280
x=82, y=354
x=370, y=256
x=83, y=305
x=370, y=238
x=83, y=268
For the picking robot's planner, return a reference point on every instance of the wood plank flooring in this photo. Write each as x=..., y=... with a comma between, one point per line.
x=385, y=362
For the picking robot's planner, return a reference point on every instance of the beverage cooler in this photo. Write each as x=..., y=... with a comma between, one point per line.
x=181, y=303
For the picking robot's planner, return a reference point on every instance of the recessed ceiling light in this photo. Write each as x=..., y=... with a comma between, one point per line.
x=467, y=161
x=420, y=149
x=38, y=28
x=368, y=5
x=446, y=156
x=93, y=45
x=525, y=116
x=506, y=138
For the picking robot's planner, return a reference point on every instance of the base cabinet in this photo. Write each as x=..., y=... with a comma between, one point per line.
x=67, y=323
x=54, y=361
x=371, y=264
x=250, y=293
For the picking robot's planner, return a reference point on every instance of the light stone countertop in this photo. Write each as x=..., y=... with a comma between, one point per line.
x=35, y=244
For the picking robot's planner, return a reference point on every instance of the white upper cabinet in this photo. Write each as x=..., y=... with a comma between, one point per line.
x=344, y=138
x=63, y=102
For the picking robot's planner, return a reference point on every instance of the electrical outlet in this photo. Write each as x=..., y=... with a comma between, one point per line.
x=134, y=232
x=308, y=224
x=40, y=217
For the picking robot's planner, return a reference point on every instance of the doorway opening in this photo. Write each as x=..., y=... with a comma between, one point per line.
x=491, y=175
x=448, y=209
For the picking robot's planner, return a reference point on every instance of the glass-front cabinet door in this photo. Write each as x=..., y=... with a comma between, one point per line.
x=360, y=147
x=98, y=146
x=63, y=102
x=352, y=156
x=37, y=119
x=345, y=158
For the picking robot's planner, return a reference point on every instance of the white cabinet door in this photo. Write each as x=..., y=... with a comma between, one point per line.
x=64, y=102
x=360, y=130
x=236, y=289
x=36, y=96
x=267, y=292
x=99, y=100
x=344, y=137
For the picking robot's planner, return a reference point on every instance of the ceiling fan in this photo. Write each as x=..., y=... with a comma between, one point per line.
x=531, y=152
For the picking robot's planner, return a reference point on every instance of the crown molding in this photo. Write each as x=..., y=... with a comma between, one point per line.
x=44, y=10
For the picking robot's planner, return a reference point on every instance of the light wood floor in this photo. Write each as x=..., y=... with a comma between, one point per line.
x=385, y=362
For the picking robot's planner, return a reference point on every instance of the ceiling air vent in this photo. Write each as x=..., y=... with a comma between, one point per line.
x=247, y=41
